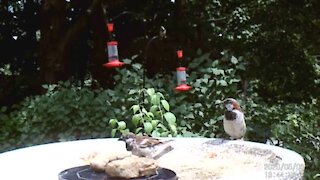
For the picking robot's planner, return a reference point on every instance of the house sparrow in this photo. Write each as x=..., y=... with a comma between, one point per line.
x=233, y=123
x=145, y=146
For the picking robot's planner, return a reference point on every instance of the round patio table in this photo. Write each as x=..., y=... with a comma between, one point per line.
x=48, y=160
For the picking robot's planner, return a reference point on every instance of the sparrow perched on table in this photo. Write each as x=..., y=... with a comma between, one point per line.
x=145, y=146
x=233, y=122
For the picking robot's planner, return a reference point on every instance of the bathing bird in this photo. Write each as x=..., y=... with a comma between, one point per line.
x=145, y=146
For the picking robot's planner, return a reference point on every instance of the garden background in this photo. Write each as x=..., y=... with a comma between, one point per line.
x=53, y=86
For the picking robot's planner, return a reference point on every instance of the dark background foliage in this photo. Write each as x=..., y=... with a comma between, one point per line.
x=264, y=53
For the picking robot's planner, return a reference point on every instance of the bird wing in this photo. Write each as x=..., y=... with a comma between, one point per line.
x=148, y=142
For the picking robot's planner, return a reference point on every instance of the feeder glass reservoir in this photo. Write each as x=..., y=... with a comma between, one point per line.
x=181, y=75
x=113, y=50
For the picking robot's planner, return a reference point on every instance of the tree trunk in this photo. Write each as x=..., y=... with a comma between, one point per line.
x=59, y=37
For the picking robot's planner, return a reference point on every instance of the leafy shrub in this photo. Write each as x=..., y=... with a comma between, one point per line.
x=298, y=130
x=200, y=110
x=68, y=112
x=151, y=116
x=64, y=114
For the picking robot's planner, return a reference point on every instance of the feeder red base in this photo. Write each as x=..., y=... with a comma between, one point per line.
x=113, y=64
x=183, y=87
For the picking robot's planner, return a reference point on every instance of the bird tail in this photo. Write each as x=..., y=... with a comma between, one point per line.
x=162, y=151
x=166, y=141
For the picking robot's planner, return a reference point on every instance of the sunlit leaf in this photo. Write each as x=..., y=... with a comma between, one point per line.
x=148, y=127
x=190, y=116
x=155, y=133
x=234, y=60
x=160, y=95
x=154, y=123
x=113, y=132
x=154, y=109
x=136, y=119
x=150, y=91
x=121, y=125
x=135, y=108
x=170, y=117
x=173, y=129
x=165, y=105
x=113, y=122
x=132, y=91
x=222, y=82
x=138, y=130
x=155, y=99
x=150, y=114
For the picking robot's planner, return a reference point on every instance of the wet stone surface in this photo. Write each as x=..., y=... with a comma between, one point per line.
x=222, y=159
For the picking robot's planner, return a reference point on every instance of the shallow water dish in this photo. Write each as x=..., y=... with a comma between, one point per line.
x=86, y=173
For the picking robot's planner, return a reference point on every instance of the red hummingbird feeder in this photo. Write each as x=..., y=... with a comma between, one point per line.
x=112, y=50
x=182, y=75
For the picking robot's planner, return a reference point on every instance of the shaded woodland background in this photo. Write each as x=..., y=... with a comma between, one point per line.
x=49, y=41
x=265, y=53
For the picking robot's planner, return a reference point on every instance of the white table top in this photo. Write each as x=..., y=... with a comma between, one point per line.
x=45, y=162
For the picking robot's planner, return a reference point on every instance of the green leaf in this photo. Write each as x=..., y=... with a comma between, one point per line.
x=121, y=125
x=160, y=95
x=147, y=127
x=155, y=133
x=217, y=71
x=135, y=108
x=170, y=117
x=137, y=66
x=234, y=81
x=154, y=123
x=190, y=116
x=222, y=82
x=45, y=86
x=164, y=134
x=150, y=115
x=218, y=101
x=162, y=127
x=136, y=119
x=234, y=60
x=144, y=111
x=151, y=91
x=155, y=99
x=132, y=91
x=113, y=132
x=138, y=130
x=127, y=61
x=201, y=114
x=135, y=56
x=316, y=176
x=215, y=63
x=165, y=105
x=154, y=109
x=113, y=122
x=241, y=67
x=173, y=129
